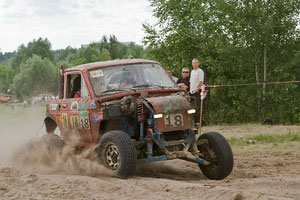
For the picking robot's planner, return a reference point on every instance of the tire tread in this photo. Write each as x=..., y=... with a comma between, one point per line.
x=224, y=153
x=126, y=149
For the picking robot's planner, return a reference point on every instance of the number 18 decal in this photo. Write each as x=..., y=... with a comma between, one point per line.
x=84, y=122
x=174, y=120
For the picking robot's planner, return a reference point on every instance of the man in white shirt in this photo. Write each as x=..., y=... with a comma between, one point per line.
x=196, y=81
x=197, y=77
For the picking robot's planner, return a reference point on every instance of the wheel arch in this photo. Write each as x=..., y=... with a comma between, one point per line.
x=110, y=125
x=50, y=124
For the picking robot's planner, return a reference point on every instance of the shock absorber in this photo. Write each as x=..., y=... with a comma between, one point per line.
x=141, y=118
x=141, y=112
x=149, y=140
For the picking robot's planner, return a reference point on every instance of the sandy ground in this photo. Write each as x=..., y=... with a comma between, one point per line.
x=30, y=171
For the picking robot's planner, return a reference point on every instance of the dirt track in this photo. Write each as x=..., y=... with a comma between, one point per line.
x=28, y=171
x=255, y=176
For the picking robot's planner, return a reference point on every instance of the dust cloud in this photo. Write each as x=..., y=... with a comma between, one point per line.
x=17, y=126
x=36, y=156
x=22, y=147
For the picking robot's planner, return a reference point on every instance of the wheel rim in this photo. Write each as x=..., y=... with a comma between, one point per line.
x=209, y=155
x=112, y=156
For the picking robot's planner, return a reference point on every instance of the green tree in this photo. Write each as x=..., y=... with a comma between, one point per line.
x=41, y=47
x=104, y=42
x=237, y=42
x=107, y=49
x=134, y=51
x=20, y=57
x=105, y=55
x=90, y=53
x=114, y=48
x=6, y=74
x=68, y=54
x=6, y=56
x=266, y=29
x=37, y=76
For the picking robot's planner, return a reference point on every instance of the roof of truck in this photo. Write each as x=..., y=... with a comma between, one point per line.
x=108, y=63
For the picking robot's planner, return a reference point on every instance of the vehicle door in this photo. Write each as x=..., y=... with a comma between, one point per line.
x=74, y=108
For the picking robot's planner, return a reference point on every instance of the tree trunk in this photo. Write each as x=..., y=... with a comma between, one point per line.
x=259, y=107
x=256, y=68
x=263, y=108
x=265, y=71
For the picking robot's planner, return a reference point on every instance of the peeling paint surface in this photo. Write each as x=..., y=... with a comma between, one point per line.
x=174, y=109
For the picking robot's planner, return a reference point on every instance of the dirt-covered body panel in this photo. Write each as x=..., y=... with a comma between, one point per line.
x=174, y=113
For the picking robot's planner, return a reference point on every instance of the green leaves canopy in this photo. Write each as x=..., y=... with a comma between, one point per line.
x=37, y=76
x=236, y=42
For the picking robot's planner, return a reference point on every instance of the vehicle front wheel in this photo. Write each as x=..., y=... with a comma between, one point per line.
x=218, y=152
x=117, y=152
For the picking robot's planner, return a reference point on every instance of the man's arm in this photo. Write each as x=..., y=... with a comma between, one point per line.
x=199, y=86
x=201, y=76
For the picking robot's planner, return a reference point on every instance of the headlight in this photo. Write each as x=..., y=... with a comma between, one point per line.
x=191, y=111
x=156, y=116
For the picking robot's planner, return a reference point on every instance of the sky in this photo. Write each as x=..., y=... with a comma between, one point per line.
x=71, y=22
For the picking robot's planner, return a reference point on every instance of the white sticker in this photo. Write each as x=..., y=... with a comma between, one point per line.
x=96, y=73
x=53, y=106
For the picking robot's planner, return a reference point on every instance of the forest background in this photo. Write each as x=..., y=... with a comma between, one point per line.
x=236, y=41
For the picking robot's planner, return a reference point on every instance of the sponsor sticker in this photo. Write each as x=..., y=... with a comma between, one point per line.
x=95, y=118
x=75, y=122
x=53, y=106
x=74, y=106
x=93, y=105
x=64, y=117
x=84, y=115
x=96, y=73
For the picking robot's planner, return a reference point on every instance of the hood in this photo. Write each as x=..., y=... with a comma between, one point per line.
x=174, y=109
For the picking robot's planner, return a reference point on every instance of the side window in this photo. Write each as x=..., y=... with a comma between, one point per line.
x=76, y=87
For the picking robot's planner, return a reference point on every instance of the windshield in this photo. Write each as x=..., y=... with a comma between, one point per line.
x=129, y=77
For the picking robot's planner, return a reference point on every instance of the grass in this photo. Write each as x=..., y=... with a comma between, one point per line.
x=266, y=139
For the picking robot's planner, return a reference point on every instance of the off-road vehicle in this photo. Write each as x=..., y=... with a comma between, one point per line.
x=132, y=112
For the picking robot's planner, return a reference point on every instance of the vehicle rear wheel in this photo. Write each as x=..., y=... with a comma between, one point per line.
x=117, y=152
x=219, y=153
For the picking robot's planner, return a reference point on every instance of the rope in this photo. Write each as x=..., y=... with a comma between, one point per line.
x=248, y=84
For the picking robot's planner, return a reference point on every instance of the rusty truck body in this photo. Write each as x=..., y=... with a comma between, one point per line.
x=133, y=113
